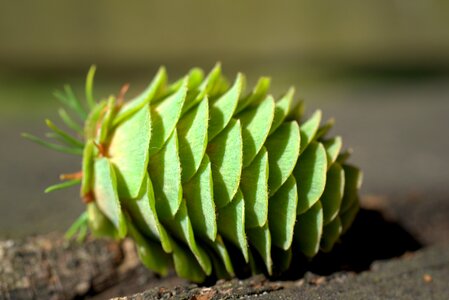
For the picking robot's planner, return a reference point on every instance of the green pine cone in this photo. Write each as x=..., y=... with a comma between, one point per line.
x=189, y=168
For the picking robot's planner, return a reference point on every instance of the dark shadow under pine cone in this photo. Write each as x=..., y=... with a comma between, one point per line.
x=370, y=238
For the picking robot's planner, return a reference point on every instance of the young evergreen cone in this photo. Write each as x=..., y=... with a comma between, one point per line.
x=192, y=168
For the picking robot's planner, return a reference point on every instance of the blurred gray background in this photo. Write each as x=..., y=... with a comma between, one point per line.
x=381, y=68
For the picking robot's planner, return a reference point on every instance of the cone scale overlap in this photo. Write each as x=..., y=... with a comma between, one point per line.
x=189, y=168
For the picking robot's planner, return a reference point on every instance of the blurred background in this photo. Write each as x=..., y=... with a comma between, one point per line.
x=381, y=68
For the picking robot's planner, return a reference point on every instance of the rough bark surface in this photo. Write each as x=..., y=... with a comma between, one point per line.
x=378, y=259
x=422, y=275
x=48, y=267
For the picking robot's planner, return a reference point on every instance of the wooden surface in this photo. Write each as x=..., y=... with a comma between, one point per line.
x=397, y=249
x=48, y=267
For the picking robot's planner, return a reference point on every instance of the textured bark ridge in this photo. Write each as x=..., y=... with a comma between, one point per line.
x=48, y=267
x=223, y=289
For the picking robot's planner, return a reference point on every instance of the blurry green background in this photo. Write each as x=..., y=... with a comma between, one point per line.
x=381, y=68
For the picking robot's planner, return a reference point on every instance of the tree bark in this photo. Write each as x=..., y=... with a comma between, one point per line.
x=49, y=267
